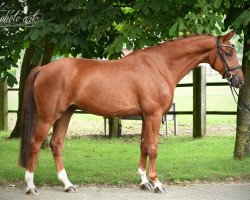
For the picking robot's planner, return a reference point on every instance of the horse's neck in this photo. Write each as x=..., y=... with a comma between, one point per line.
x=183, y=55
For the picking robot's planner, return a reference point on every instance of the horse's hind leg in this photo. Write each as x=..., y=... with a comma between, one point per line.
x=41, y=130
x=143, y=161
x=56, y=144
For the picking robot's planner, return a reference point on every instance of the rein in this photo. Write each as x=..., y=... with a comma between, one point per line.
x=234, y=92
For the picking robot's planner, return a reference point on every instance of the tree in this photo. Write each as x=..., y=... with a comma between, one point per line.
x=34, y=55
x=242, y=143
x=238, y=18
x=149, y=22
x=99, y=29
x=82, y=28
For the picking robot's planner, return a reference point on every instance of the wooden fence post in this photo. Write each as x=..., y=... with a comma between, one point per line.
x=3, y=105
x=199, y=102
x=114, y=127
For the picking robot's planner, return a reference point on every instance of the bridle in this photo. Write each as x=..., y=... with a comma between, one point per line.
x=227, y=69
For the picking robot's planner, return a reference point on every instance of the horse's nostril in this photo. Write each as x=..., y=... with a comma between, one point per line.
x=242, y=83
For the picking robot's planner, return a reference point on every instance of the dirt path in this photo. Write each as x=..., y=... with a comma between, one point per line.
x=228, y=191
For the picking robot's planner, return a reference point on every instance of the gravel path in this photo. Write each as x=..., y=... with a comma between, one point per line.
x=217, y=191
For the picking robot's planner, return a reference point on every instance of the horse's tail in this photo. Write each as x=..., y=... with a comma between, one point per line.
x=28, y=113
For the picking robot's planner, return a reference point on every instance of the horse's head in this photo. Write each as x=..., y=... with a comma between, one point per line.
x=225, y=61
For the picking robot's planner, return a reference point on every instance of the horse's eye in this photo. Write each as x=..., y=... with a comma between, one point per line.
x=228, y=54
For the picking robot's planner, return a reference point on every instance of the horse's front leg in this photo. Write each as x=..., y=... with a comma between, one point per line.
x=145, y=184
x=152, y=126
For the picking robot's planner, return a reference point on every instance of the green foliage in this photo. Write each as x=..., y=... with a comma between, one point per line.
x=150, y=21
x=238, y=18
x=242, y=20
x=10, y=48
x=217, y=3
x=77, y=27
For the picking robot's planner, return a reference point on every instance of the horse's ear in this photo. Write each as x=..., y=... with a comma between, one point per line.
x=228, y=36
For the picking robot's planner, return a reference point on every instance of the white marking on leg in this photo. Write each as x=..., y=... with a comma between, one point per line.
x=143, y=176
x=29, y=178
x=62, y=176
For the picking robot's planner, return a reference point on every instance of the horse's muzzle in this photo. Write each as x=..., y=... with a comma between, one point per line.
x=236, y=82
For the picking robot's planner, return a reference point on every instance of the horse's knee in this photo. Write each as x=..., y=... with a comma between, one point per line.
x=152, y=151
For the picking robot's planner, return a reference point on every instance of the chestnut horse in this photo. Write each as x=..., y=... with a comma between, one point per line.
x=141, y=83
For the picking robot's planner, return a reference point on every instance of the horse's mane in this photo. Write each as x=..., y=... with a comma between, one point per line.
x=164, y=42
x=178, y=39
x=187, y=37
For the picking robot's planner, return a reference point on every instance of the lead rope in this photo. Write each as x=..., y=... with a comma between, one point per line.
x=233, y=90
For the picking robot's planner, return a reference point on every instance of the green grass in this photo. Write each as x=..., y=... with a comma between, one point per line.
x=99, y=160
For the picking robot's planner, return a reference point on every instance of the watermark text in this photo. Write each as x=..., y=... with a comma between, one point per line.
x=17, y=18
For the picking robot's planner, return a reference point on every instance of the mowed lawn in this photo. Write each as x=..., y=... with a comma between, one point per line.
x=100, y=160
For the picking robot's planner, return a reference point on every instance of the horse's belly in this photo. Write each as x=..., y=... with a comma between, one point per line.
x=108, y=103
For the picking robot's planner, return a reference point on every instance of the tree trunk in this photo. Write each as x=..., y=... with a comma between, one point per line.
x=48, y=53
x=114, y=127
x=26, y=67
x=242, y=143
x=3, y=105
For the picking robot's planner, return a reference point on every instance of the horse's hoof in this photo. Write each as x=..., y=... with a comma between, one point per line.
x=159, y=189
x=146, y=186
x=70, y=189
x=31, y=191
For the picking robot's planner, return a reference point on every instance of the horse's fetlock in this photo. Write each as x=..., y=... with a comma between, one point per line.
x=152, y=176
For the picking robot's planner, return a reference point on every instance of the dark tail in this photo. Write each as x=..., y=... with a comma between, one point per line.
x=27, y=117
